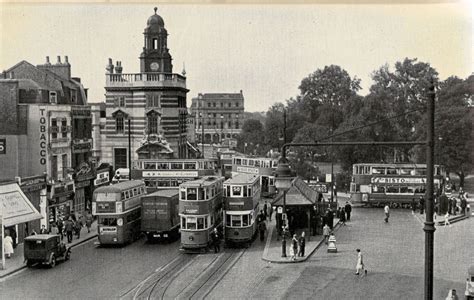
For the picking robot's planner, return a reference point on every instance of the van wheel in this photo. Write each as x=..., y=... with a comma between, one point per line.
x=52, y=261
x=67, y=256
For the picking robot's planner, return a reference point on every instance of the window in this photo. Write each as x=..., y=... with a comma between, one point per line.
x=230, y=104
x=163, y=166
x=208, y=104
x=64, y=161
x=245, y=220
x=213, y=104
x=183, y=223
x=120, y=158
x=190, y=166
x=236, y=104
x=54, y=129
x=236, y=116
x=53, y=98
x=150, y=165
x=200, y=223
x=64, y=128
x=155, y=43
x=236, y=221
x=192, y=194
x=153, y=100
x=54, y=167
x=214, y=115
x=237, y=191
x=107, y=221
x=236, y=124
x=191, y=223
x=153, y=123
x=392, y=171
x=222, y=104
x=176, y=166
x=376, y=170
x=119, y=124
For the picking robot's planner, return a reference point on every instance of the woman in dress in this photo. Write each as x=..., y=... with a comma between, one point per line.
x=8, y=245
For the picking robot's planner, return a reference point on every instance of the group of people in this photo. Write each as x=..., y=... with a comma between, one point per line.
x=69, y=226
x=344, y=213
x=297, y=246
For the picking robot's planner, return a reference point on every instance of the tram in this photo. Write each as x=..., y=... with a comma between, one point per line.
x=264, y=167
x=118, y=208
x=394, y=184
x=161, y=174
x=241, y=206
x=200, y=211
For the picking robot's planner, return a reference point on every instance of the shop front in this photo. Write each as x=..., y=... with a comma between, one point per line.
x=84, y=182
x=17, y=211
x=34, y=188
x=60, y=201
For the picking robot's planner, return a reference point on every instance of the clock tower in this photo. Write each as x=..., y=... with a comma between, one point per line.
x=155, y=56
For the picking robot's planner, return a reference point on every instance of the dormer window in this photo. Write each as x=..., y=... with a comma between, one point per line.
x=53, y=98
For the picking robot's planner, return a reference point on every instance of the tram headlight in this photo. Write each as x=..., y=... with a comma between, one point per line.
x=119, y=221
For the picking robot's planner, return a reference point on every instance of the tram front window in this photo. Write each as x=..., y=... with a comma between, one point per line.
x=236, y=221
x=192, y=194
x=200, y=223
x=191, y=223
x=245, y=220
x=108, y=221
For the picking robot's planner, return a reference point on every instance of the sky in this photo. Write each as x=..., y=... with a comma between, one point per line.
x=263, y=50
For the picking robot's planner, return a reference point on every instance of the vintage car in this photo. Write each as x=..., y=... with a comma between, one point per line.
x=469, y=293
x=45, y=249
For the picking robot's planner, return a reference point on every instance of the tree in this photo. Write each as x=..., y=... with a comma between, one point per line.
x=453, y=127
x=251, y=138
x=405, y=89
x=325, y=91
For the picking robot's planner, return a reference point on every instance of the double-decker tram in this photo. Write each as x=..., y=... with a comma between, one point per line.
x=118, y=208
x=241, y=196
x=200, y=210
x=159, y=174
x=264, y=167
x=396, y=184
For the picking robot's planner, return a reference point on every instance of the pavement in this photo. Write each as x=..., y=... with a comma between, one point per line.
x=273, y=246
x=17, y=261
x=440, y=220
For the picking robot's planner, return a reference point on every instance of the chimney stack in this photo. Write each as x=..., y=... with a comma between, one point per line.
x=59, y=60
x=110, y=67
x=66, y=60
x=47, y=60
x=118, y=68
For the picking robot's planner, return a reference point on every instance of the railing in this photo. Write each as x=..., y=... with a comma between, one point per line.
x=131, y=79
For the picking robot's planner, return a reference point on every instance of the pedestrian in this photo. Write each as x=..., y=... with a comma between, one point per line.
x=59, y=225
x=69, y=227
x=455, y=206
x=302, y=244
x=8, y=244
x=270, y=212
x=463, y=205
x=387, y=213
x=342, y=217
x=413, y=206
x=262, y=227
x=216, y=240
x=13, y=235
x=360, y=263
x=265, y=207
x=261, y=216
x=294, y=245
x=326, y=231
x=348, y=209
x=77, y=228
x=338, y=213
x=422, y=205
x=330, y=218
x=88, y=222
x=43, y=230
x=446, y=219
x=452, y=295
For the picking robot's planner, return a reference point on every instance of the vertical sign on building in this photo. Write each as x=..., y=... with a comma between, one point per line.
x=43, y=132
x=3, y=146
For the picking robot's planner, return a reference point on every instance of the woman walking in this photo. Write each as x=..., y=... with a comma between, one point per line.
x=8, y=245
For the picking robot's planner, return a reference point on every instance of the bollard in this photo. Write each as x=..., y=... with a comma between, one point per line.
x=332, y=244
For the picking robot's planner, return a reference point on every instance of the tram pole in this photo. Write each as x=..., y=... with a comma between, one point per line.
x=129, y=152
x=429, y=227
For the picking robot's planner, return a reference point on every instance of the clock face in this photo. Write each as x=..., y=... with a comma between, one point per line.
x=154, y=66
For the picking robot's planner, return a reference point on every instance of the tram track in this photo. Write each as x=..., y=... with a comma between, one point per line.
x=208, y=280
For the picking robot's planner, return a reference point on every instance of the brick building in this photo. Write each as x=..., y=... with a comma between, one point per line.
x=218, y=116
x=46, y=125
x=153, y=102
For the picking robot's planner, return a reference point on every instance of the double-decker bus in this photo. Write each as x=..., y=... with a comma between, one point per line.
x=159, y=174
x=264, y=167
x=397, y=184
x=118, y=208
x=200, y=210
x=241, y=196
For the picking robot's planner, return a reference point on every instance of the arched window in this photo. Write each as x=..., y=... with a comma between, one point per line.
x=155, y=43
x=152, y=123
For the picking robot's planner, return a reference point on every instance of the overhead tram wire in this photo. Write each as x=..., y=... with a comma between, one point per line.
x=369, y=125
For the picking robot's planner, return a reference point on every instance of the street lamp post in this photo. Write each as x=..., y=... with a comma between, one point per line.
x=283, y=178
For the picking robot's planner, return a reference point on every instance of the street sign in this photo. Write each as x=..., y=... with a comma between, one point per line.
x=328, y=177
x=280, y=210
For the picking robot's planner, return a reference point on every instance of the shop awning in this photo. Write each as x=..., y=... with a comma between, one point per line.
x=16, y=207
